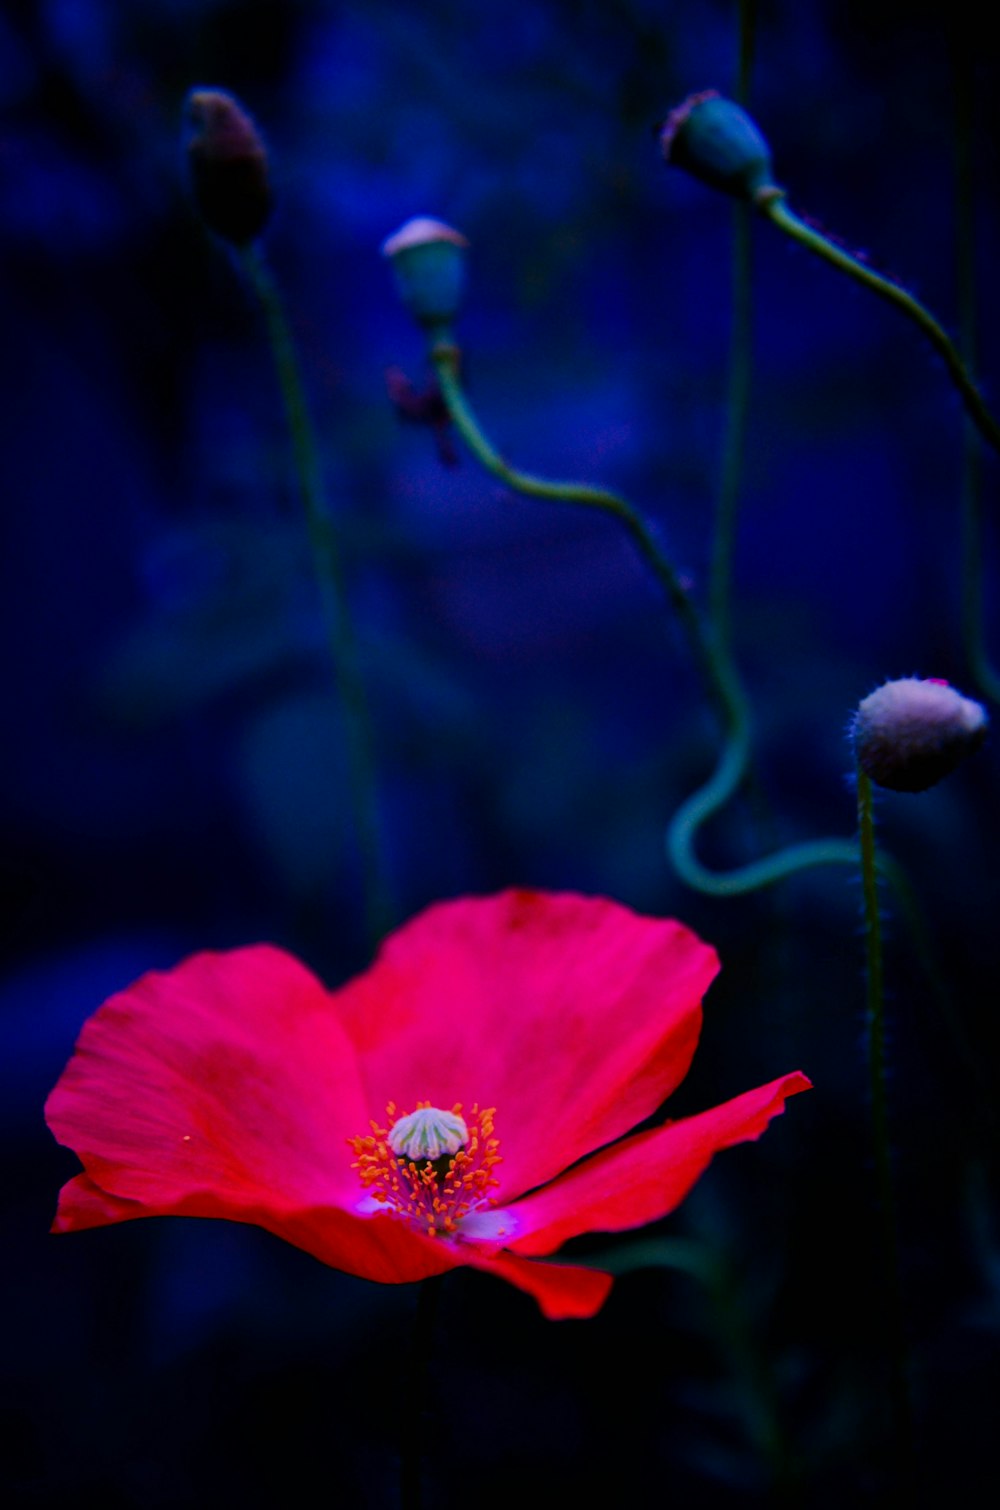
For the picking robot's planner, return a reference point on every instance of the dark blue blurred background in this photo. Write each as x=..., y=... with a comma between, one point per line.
x=173, y=771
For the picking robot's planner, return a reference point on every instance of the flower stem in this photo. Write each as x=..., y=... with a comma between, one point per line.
x=747, y=43
x=413, y=1420
x=875, y=1036
x=734, y=437
x=446, y=359
x=775, y=207
x=738, y=378
x=715, y=663
x=330, y=575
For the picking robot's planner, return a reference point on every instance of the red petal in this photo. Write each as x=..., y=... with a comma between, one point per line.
x=379, y=1248
x=562, y=1290
x=83, y=1204
x=643, y=1177
x=228, y=1078
x=571, y=1015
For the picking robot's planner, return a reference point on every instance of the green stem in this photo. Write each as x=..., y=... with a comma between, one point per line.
x=747, y=43
x=738, y=378
x=709, y=799
x=875, y=1036
x=415, y=1420
x=723, y=684
x=734, y=437
x=973, y=635
x=446, y=359
x=773, y=205
x=333, y=591
x=715, y=663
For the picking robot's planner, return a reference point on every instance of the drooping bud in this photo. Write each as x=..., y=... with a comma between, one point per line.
x=428, y=1134
x=428, y=259
x=228, y=166
x=910, y=733
x=716, y=141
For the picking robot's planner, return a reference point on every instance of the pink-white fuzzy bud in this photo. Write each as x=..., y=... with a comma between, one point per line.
x=910, y=733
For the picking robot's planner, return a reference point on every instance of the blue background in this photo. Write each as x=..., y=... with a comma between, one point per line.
x=173, y=770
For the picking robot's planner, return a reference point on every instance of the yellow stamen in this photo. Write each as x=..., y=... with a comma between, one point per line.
x=434, y=1192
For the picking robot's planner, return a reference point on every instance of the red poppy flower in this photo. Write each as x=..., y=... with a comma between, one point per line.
x=430, y=1114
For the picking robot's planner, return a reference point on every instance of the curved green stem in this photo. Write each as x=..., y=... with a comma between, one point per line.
x=775, y=207
x=875, y=1035
x=715, y=794
x=446, y=359
x=330, y=575
x=715, y=663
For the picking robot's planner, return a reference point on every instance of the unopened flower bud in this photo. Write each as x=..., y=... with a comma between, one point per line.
x=910, y=733
x=715, y=140
x=228, y=166
x=428, y=259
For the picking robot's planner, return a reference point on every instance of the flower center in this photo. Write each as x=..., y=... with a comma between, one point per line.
x=428, y=1133
x=429, y=1165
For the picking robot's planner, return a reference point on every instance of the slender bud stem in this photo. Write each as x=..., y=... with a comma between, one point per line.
x=776, y=209
x=738, y=377
x=747, y=44
x=446, y=362
x=715, y=663
x=875, y=1036
x=336, y=610
x=874, y=1019
x=722, y=681
x=734, y=438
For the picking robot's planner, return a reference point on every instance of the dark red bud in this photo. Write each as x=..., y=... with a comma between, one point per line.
x=228, y=166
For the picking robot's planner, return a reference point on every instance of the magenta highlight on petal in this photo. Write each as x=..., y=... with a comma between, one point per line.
x=910, y=733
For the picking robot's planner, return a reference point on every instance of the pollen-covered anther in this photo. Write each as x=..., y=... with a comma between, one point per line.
x=431, y=1166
